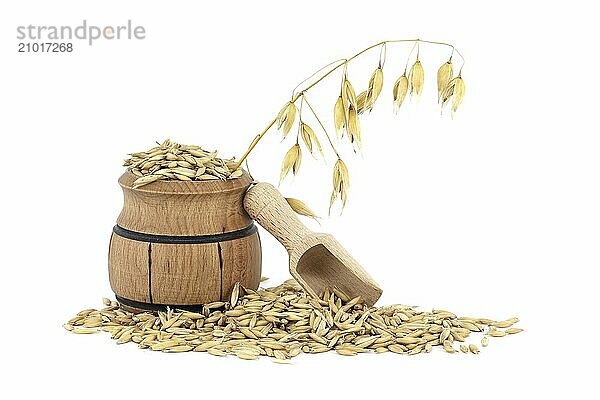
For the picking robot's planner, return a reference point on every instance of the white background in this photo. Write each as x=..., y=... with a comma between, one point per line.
x=494, y=213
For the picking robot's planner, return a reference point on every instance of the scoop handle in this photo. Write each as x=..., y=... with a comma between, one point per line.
x=265, y=204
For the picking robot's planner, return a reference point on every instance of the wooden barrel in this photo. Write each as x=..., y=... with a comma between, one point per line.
x=182, y=244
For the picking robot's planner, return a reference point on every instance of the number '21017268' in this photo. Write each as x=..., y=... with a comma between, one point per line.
x=46, y=47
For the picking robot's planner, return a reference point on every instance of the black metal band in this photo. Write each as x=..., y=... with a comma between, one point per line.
x=149, y=238
x=158, y=307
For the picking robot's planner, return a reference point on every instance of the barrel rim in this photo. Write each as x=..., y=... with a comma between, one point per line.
x=173, y=187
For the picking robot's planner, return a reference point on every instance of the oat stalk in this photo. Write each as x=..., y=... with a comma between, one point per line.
x=348, y=105
x=322, y=127
x=333, y=66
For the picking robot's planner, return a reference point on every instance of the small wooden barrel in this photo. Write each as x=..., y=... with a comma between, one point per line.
x=182, y=244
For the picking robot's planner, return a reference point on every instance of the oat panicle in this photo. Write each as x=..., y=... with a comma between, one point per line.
x=349, y=106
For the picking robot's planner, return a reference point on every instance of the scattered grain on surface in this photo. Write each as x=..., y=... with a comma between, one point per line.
x=283, y=321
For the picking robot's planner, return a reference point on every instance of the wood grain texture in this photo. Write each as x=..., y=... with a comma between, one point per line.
x=321, y=262
x=185, y=274
x=134, y=310
x=268, y=207
x=241, y=263
x=181, y=208
x=128, y=268
x=317, y=261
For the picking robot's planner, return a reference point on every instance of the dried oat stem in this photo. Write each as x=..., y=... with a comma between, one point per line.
x=382, y=55
x=300, y=116
x=256, y=140
x=334, y=66
x=409, y=56
x=322, y=126
x=341, y=62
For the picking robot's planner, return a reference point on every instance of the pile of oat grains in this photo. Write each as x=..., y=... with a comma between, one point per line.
x=283, y=321
x=170, y=161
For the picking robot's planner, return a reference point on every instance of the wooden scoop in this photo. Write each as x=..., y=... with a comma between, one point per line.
x=317, y=260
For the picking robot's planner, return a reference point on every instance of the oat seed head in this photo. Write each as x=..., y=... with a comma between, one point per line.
x=416, y=78
x=354, y=128
x=349, y=106
x=301, y=208
x=374, y=89
x=286, y=117
x=399, y=92
x=341, y=183
x=444, y=75
x=459, y=93
x=291, y=162
x=348, y=97
x=339, y=117
x=309, y=138
x=447, y=93
x=361, y=102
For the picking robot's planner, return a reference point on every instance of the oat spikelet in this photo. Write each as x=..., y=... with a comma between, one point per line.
x=354, y=127
x=309, y=138
x=459, y=93
x=361, y=102
x=416, y=78
x=286, y=118
x=447, y=93
x=400, y=90
x=291, y=162
x=374, y=89
x=444, y=75
x=339, y=117
x=301, y=208
x=348, y=96
x=341, y=182
x=455, y=90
